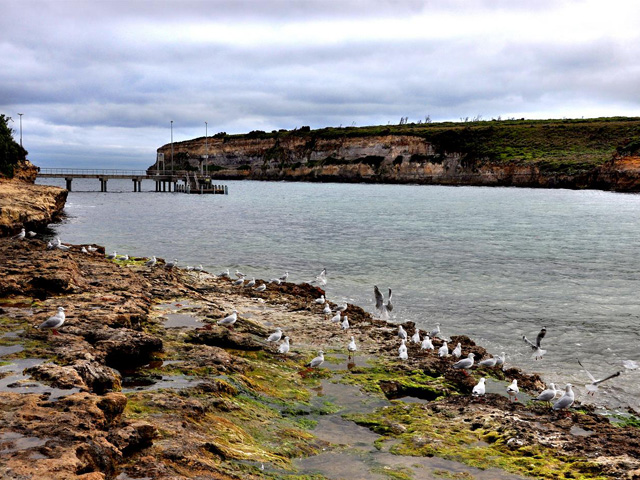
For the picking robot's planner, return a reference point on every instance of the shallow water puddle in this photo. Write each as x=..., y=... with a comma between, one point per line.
x=13, y=442
x=182, y=320
x=14, y=381
x=9, y=349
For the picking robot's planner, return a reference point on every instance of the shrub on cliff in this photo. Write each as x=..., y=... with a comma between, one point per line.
x=11, y=153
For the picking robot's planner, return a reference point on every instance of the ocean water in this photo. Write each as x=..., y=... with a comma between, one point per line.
x=491, y=263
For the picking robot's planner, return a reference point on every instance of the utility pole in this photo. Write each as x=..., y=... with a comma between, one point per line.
x=172, y=145
x=206, y=141
x=20, y=128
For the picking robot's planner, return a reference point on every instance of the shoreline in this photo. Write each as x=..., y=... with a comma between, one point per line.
x=115, y=337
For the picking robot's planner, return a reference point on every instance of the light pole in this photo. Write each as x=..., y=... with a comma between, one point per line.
x=20, y=128
x=206, y=141
x=172, y=145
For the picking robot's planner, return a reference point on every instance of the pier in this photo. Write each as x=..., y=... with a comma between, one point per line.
x=183, y=181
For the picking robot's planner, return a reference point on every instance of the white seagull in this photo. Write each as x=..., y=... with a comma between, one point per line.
x=464, y=364
x=427, y=344
x=352, y=346
x=382, y=308
x=225, y=274
x=275, y=336
x=415, y=338
x=479, y=389
x=250, y=283
x=488, y=362
x=457, y=351
x=402, y=333
x=284, y=277
x=345, y=323
x=500, y=359
x=566, y=400
x=172, y=264
x=240, y=274
x=548, y=394
x=284, y=347
x=403, y=355
x=230, y=320
x=538, y=352
x=317, y=361
x=443, y=351
x=54, y=321
x=260, y=288
x=327, y=309
x=238, y=282
x=436, y=331
x=403, y=346
x=109, y=257
x=92, y=249
x=151, y=262
x=84, y=250
x=20, y=236
x=31, y=234
x=321, y=300
x=592, y=388
x=336, y=319
x=321, y=278
x=513, y=390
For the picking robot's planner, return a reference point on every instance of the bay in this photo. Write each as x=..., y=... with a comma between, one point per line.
x=490, y=263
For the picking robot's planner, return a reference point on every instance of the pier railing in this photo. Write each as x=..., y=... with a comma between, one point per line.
x=109, y=172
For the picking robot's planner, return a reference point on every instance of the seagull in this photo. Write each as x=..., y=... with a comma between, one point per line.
x=426, y=343
x=109, y=257
x=436, y=331
x=260, y=288
x=170, y=265
x=513, y=390
x=275, y=336
x=345, y=323
x=54, y=321
x=457, y=351
x=403, y=346
x=402, y=333
x=592, y=388
x=240, y=274
x=92, y=249
x=84, y=250
x=415, y=338
x=537, y=351
x=321, y=300
x=336, y=318
x=284, y=347
x=188, y=268
x=500, y=359
x=283, y=278
x=150, y=263
x=548, y=394
x=31, y=234
x=464, y=364
x=20, y=236
x=403, y=355
x=566, y=400
x=321, y=278
x=64, y=248
x=342, y=308
x=479, y=389
x=277, y=281
x=251, y=283
x=382, y=309
x=327, y=309
x=443, y=351
x=230, y=320
x=317, y=361
x=488, y=362
x=224, y=274
x=199, y=268
x=239, y=282
x=352, y=346
x=124, y=258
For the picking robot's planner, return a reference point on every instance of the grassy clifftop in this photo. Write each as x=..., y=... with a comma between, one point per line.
x=563, y=146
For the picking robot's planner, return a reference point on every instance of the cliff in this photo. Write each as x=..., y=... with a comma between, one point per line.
x=26, y=205
x=597, y=153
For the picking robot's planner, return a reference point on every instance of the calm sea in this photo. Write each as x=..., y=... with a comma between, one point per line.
x=491, y=263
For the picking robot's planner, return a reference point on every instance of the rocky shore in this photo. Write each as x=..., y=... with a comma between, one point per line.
x=141, y=383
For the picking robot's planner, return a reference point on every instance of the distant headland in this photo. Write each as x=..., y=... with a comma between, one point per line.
x=598, y=153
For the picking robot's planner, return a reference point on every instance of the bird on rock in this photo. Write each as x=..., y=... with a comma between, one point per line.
x=275, y=336
x=457, y=351
x=479, y=389
x=427, y=344
x=230, y=320
x=415, y=338
x=464, y=364
x=317, y=361
x=566, y=400
x=443, y=351
x=513, y=390
x=548, y=394
x=284, y=347
x=402, y=333
x=54, y=321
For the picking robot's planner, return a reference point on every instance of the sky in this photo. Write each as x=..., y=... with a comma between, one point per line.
x=98, y=82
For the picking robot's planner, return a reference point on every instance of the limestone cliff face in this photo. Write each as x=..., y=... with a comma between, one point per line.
x=384, y=159
x=23, y=204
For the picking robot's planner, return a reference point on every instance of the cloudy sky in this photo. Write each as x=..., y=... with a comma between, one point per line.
x=98, y=82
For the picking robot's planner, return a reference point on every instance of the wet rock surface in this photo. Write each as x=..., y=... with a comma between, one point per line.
x=140, y=400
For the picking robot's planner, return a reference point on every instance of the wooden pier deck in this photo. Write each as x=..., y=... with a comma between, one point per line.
x=166, y=181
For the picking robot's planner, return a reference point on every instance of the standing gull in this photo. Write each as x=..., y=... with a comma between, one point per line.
x=566, y=400
x=151, y=262
x=170, y=265
x=513, y=390
x=479, y=389
x=327, y=309
x=260, y=288
x=427, y=344
x=284, y=347
x=345, y=323
x=402, y=333
x=592, y=388
x=321, y=300
x=501, y=359
x=336, y=319
x=415, y=338
x=54, y=321
x=443, y=351
x=20, y=236
x=457, y=352
x=225, y=274
x=230, y=320
x=109, y=257
x=250, y=283
x=436, y=331
x=317, y=361
x=275, y=336
x=488, y=362
x=382, y=309
x=465, y=364
x=284, y=277
x=352, y=347
x=548, y=394
x=538, y=352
